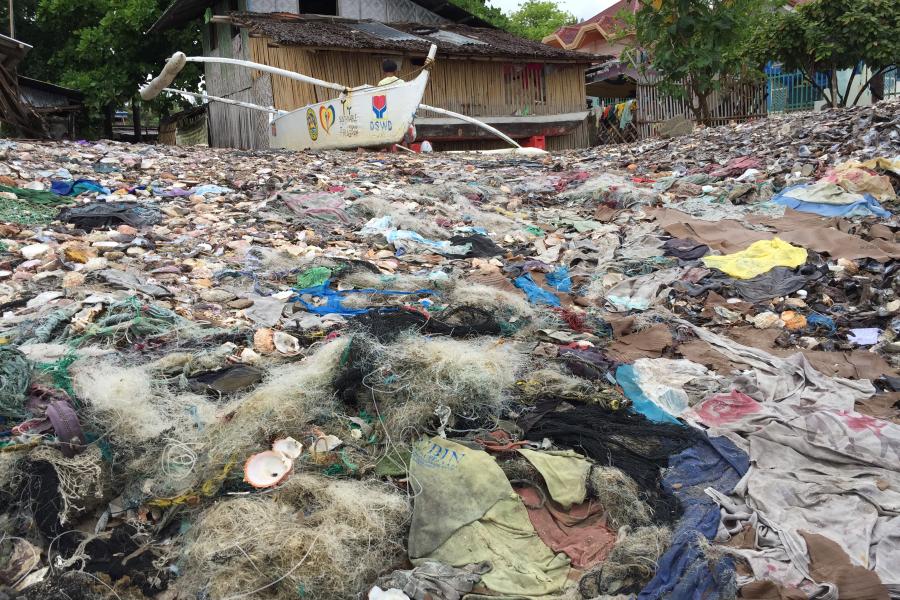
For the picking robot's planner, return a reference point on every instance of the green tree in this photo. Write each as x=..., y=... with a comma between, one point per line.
x=480, y=9
x=697, y=47
x=831, y=35
x=99, y=48
x=536, y=19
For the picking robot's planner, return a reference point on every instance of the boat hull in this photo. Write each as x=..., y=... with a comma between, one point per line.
x=363, y=117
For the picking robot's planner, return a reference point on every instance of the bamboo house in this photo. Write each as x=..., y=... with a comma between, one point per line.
x=532, y=92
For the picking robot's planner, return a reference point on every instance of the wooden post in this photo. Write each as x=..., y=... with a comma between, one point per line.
x=12, y=20
x=109, y=115
x=136, y=118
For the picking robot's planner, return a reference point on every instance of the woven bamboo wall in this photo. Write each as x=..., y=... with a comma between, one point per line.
x=743, y=102
x=477, y=88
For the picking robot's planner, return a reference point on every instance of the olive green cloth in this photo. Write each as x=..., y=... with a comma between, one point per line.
x=466, y=511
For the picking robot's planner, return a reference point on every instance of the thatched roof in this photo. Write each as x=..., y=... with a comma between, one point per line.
x=451, y=39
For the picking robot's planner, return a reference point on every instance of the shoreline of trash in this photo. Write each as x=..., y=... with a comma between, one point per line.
x=667, y=369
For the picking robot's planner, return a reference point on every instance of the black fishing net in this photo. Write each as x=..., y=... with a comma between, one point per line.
x=621, y=439
x=462, y=321
x=385, y=326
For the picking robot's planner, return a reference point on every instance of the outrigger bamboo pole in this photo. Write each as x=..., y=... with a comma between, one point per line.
x=273, y=111
x=467, y=119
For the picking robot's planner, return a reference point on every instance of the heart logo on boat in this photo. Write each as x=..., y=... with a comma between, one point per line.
x=379, y=106
x=327, y=116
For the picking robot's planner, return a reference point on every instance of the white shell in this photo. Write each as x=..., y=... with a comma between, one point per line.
x=286, y=344
x=326, y=443
x=288, y=446
x=267, y=469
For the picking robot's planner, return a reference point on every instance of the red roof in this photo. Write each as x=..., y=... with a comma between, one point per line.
x=606, y=19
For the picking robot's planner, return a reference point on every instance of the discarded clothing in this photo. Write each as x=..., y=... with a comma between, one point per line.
x=621, y=439
x=465, y=510
x=685, y=571
x=480, y=246
x=565, y=474
x=77, y=187
x=685, y=249
x=780, y=281
x=758, y=258
x=580, y=531
x=829, y=200
x=432, y=580
x=99, y=215
x=640, y=293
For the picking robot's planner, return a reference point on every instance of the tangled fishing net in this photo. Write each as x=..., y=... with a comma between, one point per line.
x=314, y=538
x=631, y=564
x=30, y=207
x=76, y=484
x=415, y=379
x=292, y=396
x=15, y=376
x=620, y=496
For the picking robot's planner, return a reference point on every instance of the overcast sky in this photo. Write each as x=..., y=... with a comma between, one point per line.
x=582, y=9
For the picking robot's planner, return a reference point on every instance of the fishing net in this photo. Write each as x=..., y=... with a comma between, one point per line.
x=31, y=207
x=620, y=496
x=621, y=439
x=314, y=538
x=62, y=488
x=630, y=565
x=15, y=377
x=416, y=382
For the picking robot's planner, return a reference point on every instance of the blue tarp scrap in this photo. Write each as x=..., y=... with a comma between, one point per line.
x=333, y=298
x=816, y=320
x=685, y=571
x=536, y=294
x=867, y=207
x=77, y=187
x=560, y=280
x=627, y=379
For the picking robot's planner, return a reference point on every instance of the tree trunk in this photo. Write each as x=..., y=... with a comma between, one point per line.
x=833, y=86
x=109, y=113
x=876, y=85
x=136, y=118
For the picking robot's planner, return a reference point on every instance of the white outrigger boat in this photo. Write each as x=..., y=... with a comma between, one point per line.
x=360, y=117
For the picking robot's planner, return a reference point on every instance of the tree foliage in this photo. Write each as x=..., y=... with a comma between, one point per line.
x=698, y=46
x=831, y=35
x=480, y=9
x=536, y=19
x=99, y=47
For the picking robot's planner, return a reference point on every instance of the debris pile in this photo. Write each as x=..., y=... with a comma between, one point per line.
x=658, y=370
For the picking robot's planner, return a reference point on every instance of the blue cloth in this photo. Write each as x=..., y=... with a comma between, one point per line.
x=816, y=320
x=685, y=572
x=627, y=379
x=333, y=299
x=867, y=207
x=76, y=187
x=560, y=280
x=536, y=294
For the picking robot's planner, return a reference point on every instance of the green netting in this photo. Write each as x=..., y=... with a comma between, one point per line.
x=30, y=206
x=15, y=377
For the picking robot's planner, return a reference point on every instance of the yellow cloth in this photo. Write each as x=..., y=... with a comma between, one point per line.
x=565, y=474
x=388, y=80
x=760, y=257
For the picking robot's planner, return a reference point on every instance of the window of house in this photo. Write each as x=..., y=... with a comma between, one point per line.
x=319, y=7
x=524, y=87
